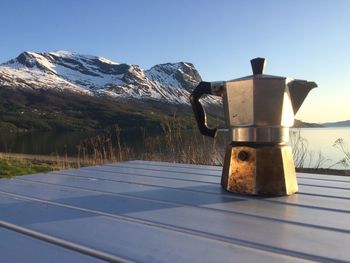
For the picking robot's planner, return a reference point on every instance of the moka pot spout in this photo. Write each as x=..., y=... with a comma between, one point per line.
x=298, y=90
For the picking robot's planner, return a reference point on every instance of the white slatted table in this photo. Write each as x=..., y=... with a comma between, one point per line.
x=161, y=212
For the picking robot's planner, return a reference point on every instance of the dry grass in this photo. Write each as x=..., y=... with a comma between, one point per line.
x=302, y=156
x=175, y=144
x=344, y=148
x=305, y=159
x=103, y=149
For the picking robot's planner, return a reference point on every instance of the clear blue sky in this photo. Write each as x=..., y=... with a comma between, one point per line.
x=302, y=39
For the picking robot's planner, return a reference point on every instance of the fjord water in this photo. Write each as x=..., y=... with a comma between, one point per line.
x=319, y=140
x=57, y=143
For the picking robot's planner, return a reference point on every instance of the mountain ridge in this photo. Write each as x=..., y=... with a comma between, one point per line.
x=64, y=90
x=168, y=82
x=345, y=123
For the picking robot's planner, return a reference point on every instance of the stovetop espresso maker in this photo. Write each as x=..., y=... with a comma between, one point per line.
x=259, y=109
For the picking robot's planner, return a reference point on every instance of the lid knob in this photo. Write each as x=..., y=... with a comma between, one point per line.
x=258, y=65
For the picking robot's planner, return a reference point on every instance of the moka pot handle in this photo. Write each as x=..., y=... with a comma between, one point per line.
x=198, y=110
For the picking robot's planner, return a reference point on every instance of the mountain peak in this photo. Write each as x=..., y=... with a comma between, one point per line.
x=28, y=59
x=75, y=55
x=179, y=74
x=65, y=53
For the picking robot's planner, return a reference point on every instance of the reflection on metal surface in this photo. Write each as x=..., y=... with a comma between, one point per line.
x=260, y=134
x=259, y=109
x=267, y=170
x=287, y=118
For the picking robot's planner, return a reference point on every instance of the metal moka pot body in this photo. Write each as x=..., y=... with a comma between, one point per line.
x=259, y=109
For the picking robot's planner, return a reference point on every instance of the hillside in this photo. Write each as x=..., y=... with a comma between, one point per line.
x=51, y=110
x=337, y=124
x=68, y=91
x=301, y=124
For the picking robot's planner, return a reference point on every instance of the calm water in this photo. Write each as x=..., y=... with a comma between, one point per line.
x=318, y=140
x=58, y=143
x=322, y=140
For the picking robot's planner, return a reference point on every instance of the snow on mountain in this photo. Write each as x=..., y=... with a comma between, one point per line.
x=63, y=70
x=29, y=79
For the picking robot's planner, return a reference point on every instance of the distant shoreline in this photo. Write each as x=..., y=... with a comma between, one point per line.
x=338, y=124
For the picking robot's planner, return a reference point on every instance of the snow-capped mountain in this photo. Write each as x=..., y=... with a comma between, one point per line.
x=63, y=70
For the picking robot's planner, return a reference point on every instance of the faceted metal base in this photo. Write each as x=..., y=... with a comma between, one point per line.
x=259, y=170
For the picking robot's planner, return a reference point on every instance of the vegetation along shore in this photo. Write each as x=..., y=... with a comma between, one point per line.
x=173, y=144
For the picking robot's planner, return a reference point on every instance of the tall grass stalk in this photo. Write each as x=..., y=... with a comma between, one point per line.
x=344, y=148
x=303, y=157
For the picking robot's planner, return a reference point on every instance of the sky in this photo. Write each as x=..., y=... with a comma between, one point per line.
x=300, y=39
